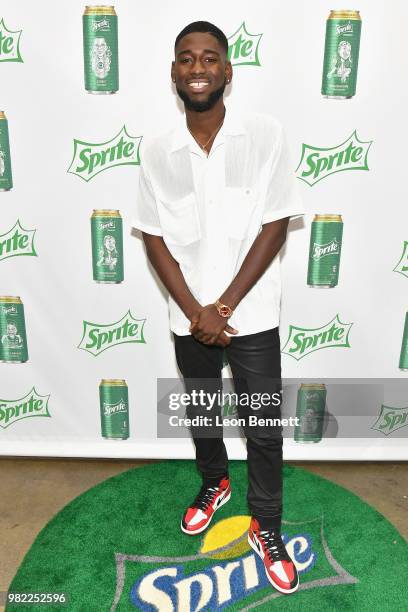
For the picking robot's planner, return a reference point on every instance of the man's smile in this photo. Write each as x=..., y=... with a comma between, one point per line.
x=198, y=84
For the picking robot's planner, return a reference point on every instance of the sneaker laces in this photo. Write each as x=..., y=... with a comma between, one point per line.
x=274, y=545
x=204, y=497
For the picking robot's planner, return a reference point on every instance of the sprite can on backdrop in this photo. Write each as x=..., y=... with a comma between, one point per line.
x=341, y=54
x=310, y=410
x=114, y=406
x=324, y=251
x=13, y=340
x=100, y=31
x=6, y=179
x=403, y=363
x=107, y=246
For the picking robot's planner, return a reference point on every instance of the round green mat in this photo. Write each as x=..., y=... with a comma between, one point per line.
x=118, y=547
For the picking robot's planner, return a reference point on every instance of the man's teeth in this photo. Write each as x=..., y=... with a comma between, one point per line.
x=198, y=84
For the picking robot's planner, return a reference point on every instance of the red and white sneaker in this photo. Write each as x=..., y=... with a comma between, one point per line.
x=279, y=567
x=198, y=516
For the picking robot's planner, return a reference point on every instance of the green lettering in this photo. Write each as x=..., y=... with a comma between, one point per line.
x=297, y=340
x=246, y=48
x=83, y=156
x=311, y=163
x=356, y=154
x=128, y=149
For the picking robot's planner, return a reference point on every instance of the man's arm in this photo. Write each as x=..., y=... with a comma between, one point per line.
x=263, y=250
x=171, y=276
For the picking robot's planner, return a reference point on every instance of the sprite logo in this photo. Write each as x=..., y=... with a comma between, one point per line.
x=9, y=44
x=107, y=225
x=90, y=159
x=102, y=25
x=317, y=163
x=344, y=29
x=31, y=405
x=96, y=338
x=321, y=250
x=303, y=341
x=9, y=310
x=109, y=409
x=243, y=47
x=402, y=265
x=17, y=241
x=391, y=419
x=223, y=572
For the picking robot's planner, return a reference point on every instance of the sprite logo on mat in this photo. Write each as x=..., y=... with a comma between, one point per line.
x=402, y=265
x=31, y=405
x=17, y=241
x=317, y=163
x=303, y=341
x=222, y=571
x=243, y=47
x=90, y=159
x=9, y=44
x=96, y=337
x=390, y=419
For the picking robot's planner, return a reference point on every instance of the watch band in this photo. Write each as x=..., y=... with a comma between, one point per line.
x=223, y=310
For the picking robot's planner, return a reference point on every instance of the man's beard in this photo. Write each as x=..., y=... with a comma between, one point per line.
x=205, y=105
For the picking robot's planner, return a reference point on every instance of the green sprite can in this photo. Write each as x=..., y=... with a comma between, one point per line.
x=13, y=339
x=403, y=363
x=107, y=246
x=114, y=407
x=341, y=50
x=310, y=410
x=6, y=178
x=324, y=251
x=100, y=32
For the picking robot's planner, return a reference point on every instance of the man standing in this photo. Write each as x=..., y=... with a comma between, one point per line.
x=215, y=197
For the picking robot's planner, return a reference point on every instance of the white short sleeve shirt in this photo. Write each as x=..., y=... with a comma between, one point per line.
x=209, y=210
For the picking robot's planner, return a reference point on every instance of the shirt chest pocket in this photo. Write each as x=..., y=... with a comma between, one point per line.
x=179, y=220
x=240, y=207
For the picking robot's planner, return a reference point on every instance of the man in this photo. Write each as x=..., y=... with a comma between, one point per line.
x=215, y=197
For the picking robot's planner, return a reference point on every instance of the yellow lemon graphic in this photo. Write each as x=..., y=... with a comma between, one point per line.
x=227, y=538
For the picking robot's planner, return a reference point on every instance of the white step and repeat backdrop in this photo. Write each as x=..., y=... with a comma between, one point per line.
x=278, y=57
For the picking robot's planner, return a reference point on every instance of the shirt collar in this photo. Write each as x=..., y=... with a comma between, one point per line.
x=232, y=126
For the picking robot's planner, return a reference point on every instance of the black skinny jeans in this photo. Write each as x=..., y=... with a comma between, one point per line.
x=255, y=362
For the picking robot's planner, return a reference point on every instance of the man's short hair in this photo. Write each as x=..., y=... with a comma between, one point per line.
x=206, y=28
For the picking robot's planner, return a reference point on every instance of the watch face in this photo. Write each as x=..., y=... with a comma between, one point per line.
x=225, y=311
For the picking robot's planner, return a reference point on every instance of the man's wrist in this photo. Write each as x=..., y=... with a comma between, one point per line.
x=223, y=310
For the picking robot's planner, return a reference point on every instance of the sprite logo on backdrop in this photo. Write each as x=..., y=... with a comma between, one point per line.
x=31, y=405
x=303, y=341
x=9, y=44
x=391, y=419
x=243, y=47
x=222, y=572
x=317, y=163
x=17, y=241
x=402, y=265
x=90, y=159
x=96, y=338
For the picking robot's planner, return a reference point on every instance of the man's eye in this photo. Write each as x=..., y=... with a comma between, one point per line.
x=184, y=60
x=210, y=59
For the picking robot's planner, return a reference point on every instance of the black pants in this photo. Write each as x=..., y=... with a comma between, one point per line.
x=256, y=368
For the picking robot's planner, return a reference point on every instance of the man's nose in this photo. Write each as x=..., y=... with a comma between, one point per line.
x=197, y=67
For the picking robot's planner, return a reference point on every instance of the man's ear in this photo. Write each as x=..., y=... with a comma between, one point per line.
x=173, y=76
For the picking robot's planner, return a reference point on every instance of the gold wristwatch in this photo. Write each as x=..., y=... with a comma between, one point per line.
x=223, y=310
